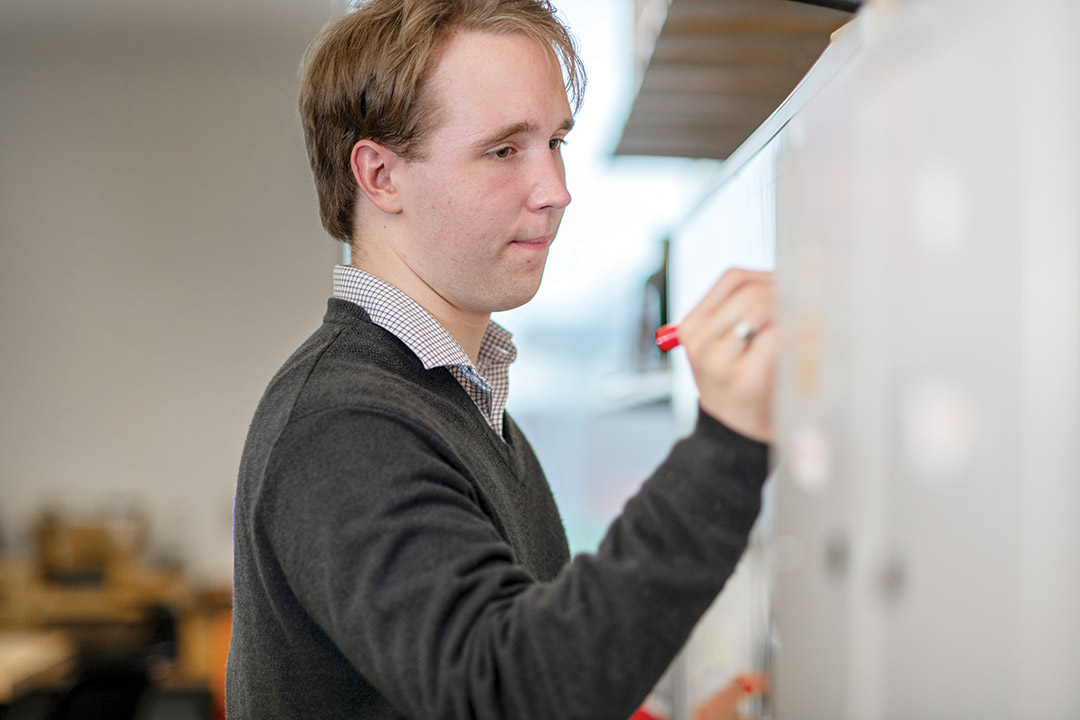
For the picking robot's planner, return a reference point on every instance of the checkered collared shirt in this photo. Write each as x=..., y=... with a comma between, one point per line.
x=487, y=382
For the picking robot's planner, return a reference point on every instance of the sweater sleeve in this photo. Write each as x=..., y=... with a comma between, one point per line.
x=388, y=548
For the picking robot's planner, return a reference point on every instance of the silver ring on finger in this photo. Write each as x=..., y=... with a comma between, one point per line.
x=744, y=331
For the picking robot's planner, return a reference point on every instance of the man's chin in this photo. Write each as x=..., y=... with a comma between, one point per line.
x=517, y=299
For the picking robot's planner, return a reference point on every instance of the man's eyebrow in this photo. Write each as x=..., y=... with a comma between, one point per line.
x=508, y=131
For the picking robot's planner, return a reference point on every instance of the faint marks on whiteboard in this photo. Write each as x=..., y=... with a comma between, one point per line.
x=837, y=557
x=892, y=580
x=938, y=425
x=811, y=458
x=940, y=209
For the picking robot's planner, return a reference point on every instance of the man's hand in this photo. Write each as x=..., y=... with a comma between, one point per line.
x=732, y=342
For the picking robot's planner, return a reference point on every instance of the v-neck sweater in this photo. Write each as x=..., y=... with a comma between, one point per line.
x=394, y=558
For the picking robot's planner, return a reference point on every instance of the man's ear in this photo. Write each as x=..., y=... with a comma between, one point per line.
x=372, y=164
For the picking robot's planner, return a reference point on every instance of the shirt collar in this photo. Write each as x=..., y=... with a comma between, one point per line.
x=400, y=315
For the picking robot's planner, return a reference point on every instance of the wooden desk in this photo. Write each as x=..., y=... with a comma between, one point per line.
x=28, y=602
x=48, y=628
x=31, y=659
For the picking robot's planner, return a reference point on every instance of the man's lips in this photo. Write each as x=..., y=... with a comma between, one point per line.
x=536, y=242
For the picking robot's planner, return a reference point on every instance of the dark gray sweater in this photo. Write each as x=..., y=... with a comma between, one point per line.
x=394, y=558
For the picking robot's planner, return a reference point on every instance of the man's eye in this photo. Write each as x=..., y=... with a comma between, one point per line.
x=556, y=143
x=503, y=152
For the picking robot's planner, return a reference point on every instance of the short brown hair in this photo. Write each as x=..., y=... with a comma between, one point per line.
x=364, y=78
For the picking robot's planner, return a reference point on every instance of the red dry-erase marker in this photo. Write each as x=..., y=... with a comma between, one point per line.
x=667, y=337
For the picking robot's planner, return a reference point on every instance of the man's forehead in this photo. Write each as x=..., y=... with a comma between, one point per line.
x=493, y=82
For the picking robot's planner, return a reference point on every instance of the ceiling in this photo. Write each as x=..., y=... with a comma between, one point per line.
x=717, y=70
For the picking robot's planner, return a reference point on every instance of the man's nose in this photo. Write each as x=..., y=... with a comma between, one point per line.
x=550, y=190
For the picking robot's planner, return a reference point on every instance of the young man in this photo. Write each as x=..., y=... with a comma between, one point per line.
x=398, y=550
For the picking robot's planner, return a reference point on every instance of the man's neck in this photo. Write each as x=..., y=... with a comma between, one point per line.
x=467, y=329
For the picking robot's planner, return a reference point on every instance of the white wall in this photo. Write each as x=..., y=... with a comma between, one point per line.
x=160, y=255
